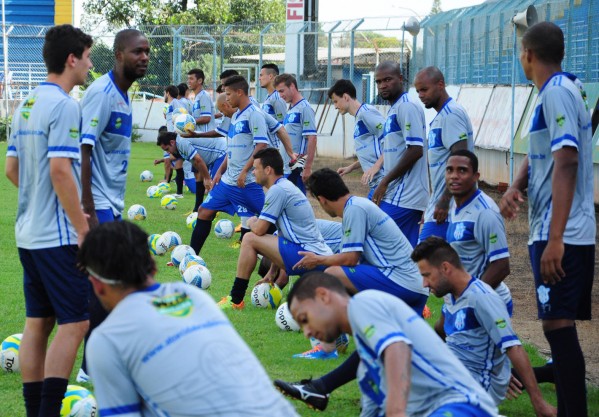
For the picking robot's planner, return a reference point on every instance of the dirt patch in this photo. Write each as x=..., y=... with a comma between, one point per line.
x=520, y=280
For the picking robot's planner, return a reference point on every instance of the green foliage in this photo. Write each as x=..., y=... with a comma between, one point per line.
x=4, y=125
x=368, y=39
x=135, y=135
x=436, y=8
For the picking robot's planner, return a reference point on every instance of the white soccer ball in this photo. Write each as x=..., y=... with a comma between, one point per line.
x=198, y=275
x=168, y=241
x=146, y=176
x=179, y=111
x=181, y=252
x=285, y=320
x=224, y=229
x=266, y=295
x=137, y=212
x=169, y=202
x=191, y=220
x=9, y=353
x=78, y=402
x=153, y=192
x=184, y=123
x=189, y=260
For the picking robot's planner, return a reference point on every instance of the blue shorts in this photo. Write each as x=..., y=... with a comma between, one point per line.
x=107, y=215
x=289, y=253
x=368, y=277
x=215, y=166
x=246, y=202
x=570, y=298
x=433, y=229
x=296, y=178
x=408, y=220
x=191, y=184
x=53, y=285
x=459, y=410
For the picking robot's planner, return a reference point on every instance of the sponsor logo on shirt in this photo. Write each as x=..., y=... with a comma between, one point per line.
x=463, y=136
x=500, y=323
x=369, y=331
x=560, y=120
x=174, y=305
x=74, y=132
x=94, y=122
x=493, y=238
x=408, y=126
x=347, y=232
x=118, y=122
x=27, y=106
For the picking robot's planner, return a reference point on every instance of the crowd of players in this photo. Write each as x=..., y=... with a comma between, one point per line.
x=424, y=226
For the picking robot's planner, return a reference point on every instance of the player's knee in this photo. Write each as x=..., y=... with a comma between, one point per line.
x=205, y=214
x=77, y=329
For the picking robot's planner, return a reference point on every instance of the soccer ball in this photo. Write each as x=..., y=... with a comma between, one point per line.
x=78, y=402
x=181, y=252
x=198, y=275
x=189, y=260
x=178, y=112
x=266, y=296
x=191, y=221
x=9, y=354
x=164, y=187
x=152, y=244
x=285, y=320
x=137, y=212
x=169, y=202
x=224, y=229
x=153, y=192
x=146, y=176
x=168, y=241
x=183, y=123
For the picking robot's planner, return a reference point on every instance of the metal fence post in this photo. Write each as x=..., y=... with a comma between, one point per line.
x=330, y=46
x=222, y=47
x=351, y=52
x=261, y=52
x=177, y=52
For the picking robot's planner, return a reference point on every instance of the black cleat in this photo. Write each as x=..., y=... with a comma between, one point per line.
x=305, y=391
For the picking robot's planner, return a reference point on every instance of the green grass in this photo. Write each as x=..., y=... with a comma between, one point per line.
x=272, y=346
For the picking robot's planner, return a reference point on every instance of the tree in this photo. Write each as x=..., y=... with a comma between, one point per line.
x=436, y=7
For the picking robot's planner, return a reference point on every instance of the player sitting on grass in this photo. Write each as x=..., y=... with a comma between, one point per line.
x=477, y=324
x=405, y=368
x=209, y=364
x=286, y=207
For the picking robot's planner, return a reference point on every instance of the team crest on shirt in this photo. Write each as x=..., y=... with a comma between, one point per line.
x=458, y=233
x=291, y=117
x=238, y=127
x=369, y=331
x=543, y=294
x=356, y=130
x=460, y=320
x=27, y=106
x=388, y=124
x=174, y=305
x=560, y=120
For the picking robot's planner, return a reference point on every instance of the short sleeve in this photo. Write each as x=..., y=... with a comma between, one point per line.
x=354, y=229
x=411, y=122
x=95, y=115
x=12, y=139
x=489, y=232
x=205, y=105
x=559, y=109
x=258, y=127
x=223, y=128
x=308, y=121
x=375, y=123
x=492, y=314
x=63, y=132
x=186, y=148
x=272, y=123
x=113, y=387
x=274, y=203
x=455, y=129
x=280, y=108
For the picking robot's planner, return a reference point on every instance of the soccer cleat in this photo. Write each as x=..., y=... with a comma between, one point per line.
x=178, y=195
x=297, y=163
x=305, y=391
x=188, y=213
x=342, y=343
x=317, y=353
x=236, y=244
x=427, y=313
x=170, y=263
x=82, y=376
x=238, y=228
x=226, y=303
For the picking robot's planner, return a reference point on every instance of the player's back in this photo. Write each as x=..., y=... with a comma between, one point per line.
x=191, y=361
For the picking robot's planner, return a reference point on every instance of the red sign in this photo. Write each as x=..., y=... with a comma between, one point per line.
x=295, y=10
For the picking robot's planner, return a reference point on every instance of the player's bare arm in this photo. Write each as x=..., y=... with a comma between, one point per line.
x=397, y=357
x=311, y=260
x=347, y=169
x=407, y=161
x=310, y=153
x=12, y=170
x=496, y=272
x=374, y=169
x=514, y=196
x=202, y=169
x=87, y=199
x=249, y=165
x=286, y=141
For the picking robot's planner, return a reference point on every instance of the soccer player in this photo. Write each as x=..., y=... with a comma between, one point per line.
x=403, y=191
x=477, y=324
x=203, y=108
x=558, y=174
x=209, y=364
x=171, y=94
x=368, y=132
x=285, y=207
x=183, y=97
x=405, y=368
x=300, y=123
x=450, y=130
x=205, y=155
x=234, y=187
x=107, y=124
x=273, y=104
x=42, y=161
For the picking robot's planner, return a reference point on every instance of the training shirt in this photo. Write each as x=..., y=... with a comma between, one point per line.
x=449, y=126
x=275, y=106
x=203, y=106
x=289, y=209
x=368, y=229
x=107, y=123
x=561, y=118
x=331, y=233
x=169, y=350
x=223, y=128
x=187, y=104
x=368, y=133
x=299, y=123
x=437, y=377
x=173, y=105
x=45, y=125
x=405, y=126
x=248, y=128
x=477, y=233
x=209, y=149
x=478, y=332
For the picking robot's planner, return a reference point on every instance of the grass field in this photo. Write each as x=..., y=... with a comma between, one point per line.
x=272, y=346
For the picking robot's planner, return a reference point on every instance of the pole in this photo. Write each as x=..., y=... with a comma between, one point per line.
x=403, y=36
x=513, y=118
x=5, y=89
